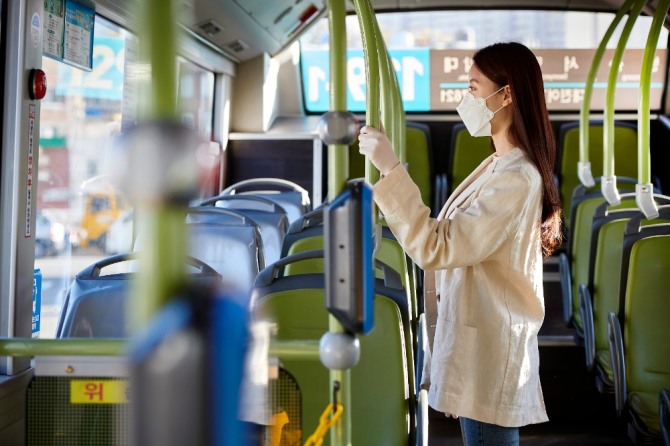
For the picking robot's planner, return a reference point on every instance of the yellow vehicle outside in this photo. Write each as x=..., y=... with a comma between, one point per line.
x=100, y=211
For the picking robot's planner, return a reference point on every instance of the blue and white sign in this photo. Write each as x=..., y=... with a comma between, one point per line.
x=105, y=81
x=37, y=302
x=412, y=67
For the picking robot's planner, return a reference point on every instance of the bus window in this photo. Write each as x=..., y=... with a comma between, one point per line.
x=431, y=52
x=77, y=202
x=81, y=116
x=196, y=98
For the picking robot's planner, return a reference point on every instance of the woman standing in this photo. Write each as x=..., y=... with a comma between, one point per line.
x=486, y=249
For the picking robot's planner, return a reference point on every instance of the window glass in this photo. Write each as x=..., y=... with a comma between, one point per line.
x=196, y=98
x=431, y=52
x=82, y=217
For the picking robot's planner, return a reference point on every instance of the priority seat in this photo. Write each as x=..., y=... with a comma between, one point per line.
x=638, y=333
x=380, y=403
x=625, y=154
x=271, y=218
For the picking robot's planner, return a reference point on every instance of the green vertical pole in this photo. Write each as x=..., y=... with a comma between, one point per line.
x=162, y=259
x=338, y=174
x=370, y=50
x=338, y=154
x=608, y=185
x=392, y=112
x=385, y=86
x=644, y=189
x=584, y=166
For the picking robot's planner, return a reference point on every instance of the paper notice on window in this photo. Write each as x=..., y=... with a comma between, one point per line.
x=52, y=36
x=78, y=38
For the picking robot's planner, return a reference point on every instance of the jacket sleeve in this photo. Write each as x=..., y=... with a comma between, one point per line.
x=473, y=234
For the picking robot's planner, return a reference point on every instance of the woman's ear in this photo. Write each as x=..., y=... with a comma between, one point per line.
x=507, y=96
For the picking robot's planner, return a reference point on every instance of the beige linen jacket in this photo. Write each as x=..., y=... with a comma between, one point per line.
x=486, y=252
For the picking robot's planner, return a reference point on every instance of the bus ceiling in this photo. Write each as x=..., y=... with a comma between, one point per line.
x=244, y=29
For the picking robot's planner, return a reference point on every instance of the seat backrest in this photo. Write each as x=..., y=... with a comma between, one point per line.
x=271, y=218
x=290, y=196
x=380, y=391
x=467, y=152
x=607, y=247
x=419, y=159
x=308, y=225
x=95, y=304
x=607, y=231
x=625, y=154
x=389, y=252
x=646, y=329
x=235, y=252
x=579, y=249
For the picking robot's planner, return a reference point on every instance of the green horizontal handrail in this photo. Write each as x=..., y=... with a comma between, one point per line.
x=295, y=350
x=27, y=347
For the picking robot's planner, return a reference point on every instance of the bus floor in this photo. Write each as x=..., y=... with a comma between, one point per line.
x=578, y=413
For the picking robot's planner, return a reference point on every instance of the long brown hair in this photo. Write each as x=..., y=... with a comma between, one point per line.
x=513, y=64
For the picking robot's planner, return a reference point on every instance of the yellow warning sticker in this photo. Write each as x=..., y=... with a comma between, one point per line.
x=106, y=391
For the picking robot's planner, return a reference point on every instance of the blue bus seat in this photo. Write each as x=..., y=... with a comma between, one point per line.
x=229, y=242
x=293, y=198
x=94, y=305
x=638, y=333
x=600, y=295
x=467, y=152
x=271, y=218
x=625, y=154
x=380, y=392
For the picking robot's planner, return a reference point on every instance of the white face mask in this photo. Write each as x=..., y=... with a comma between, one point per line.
x=476, y=115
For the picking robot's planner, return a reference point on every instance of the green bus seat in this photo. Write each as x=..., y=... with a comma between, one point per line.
x=639, y=333
x=316, y=265
x=419, y=159
x=600, y=295
x=625, y=154
x=467, y=152
x=574, y=263
x=381, y=401
x=307, y=233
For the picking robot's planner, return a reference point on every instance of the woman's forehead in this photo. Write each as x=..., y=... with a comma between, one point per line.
x=478, y=77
